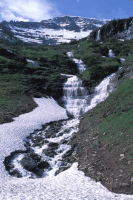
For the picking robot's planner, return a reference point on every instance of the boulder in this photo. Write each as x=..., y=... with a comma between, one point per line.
x=16, y=173
x=43, y=165
x=53, y=145
x=49, y=152
x=29, y=162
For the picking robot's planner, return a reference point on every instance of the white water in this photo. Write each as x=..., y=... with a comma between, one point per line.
x=68, y=185
x=111, y=54
x=98, y=35
x=77, y=101
x=33, y=62
x=101, y=92
x=122, y=60
x=65, y=133
x=75, y=97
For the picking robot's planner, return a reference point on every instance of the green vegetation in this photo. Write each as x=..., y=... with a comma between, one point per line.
x=12, y=92
x=112, y=28
x=19, y=80
x=90, y=51
x=106, y=131
x=53, y=61
x=116, y=118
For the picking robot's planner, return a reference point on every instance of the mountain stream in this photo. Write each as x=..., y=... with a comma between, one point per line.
x=48, y=149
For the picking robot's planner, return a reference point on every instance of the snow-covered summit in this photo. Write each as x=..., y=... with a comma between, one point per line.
x=55, y=31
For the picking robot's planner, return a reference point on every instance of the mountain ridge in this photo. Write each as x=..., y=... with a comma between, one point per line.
x=54, y=31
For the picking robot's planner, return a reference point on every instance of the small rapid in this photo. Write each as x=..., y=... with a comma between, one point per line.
x=75, y=97
x=111, y=53
x=98, y=35
x=48, y=149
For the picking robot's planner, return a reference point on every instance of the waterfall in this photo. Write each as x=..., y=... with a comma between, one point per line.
x=122, y=60
x=76, y=98
x=101, y=92
x=33, y=62
x=98, y=35
x=75, y=95
x=48, y=149
x=111, y=54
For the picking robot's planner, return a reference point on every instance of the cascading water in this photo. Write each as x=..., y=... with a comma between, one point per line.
x=98, y=35
x=122, y=60
x=75, y=97
x=111, y=54
x=48, y=149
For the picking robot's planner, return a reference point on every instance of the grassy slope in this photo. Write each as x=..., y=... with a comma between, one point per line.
x=105, y=139
x=98, y=67
x=117, y=117
x=20, y=81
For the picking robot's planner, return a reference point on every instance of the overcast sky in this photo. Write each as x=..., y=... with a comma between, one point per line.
x=37, y=10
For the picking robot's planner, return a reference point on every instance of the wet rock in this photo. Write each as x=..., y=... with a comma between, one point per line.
x=46, y=141
x=39, y=173
x=68, y=153
x=43, y=165
x=16, y=173
x=35, y=157
x=53, y=145
x=7, y=161
x=64, y=141
x=49, y=152
x=61, y=169
x=63, y=163
x=50, y=134
x=60, y=134
x=53, y=129
x=37, y=140
x=29, y=162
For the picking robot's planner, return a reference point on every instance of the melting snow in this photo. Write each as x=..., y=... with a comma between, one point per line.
x=68, y=185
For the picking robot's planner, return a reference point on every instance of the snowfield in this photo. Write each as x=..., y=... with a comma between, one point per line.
x=70, y=184
x=40, y=34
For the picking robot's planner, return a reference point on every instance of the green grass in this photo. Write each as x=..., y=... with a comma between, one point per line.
x=12, y=92
x=53, y=61
x=20, y=80
x=116, y=117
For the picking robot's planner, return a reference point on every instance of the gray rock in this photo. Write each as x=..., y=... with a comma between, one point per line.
x=43, y=165
x=16, y=173
x=49, y=152
x=28, y=163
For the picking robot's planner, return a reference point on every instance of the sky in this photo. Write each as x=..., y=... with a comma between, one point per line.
x=37, y=10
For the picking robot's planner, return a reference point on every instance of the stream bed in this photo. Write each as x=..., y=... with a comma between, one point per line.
x=48, y=149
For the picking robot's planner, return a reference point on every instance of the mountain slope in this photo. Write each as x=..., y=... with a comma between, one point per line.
x=119, y=29
x=53, y=31
x=104, y=144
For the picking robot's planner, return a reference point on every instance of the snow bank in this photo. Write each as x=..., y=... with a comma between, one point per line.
x=70, y=184
x=12, y=134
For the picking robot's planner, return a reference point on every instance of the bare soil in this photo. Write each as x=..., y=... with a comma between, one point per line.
x=102, y=162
